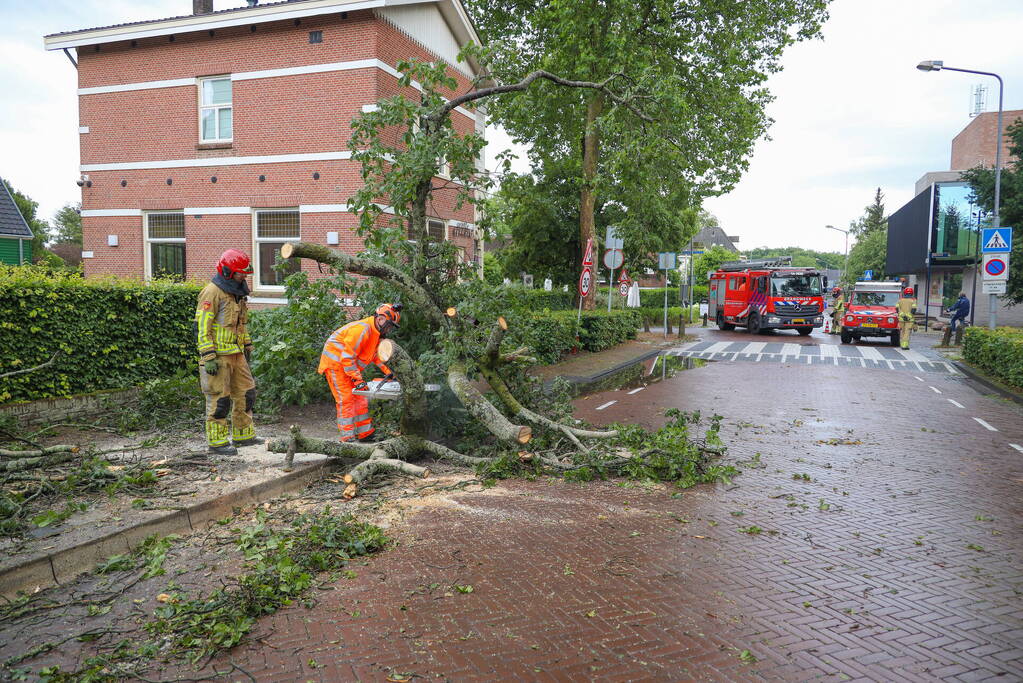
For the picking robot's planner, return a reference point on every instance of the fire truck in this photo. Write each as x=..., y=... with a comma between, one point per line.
x=766, y=294
x=871, y=312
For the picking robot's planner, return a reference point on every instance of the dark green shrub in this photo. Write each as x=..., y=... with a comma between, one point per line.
x=998, y=351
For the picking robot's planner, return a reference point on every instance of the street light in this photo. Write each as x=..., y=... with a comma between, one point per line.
x=938, y=65
x=845, y=270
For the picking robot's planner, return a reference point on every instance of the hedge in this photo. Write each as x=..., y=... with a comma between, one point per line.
x=551, y=334
x=111, y=333
x=998, y=352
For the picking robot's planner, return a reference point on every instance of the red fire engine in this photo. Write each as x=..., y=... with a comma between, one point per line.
x=765, y=295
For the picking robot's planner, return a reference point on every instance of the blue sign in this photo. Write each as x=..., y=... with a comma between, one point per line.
x=687, y=253
x=996, y=241
x=868, y=275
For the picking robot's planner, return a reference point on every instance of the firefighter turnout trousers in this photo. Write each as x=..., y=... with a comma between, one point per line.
x=906, y=325
x=353, y=420
x=231, y=393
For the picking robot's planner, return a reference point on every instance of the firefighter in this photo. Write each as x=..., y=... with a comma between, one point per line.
x=225, y=348
x=346, y=353
x=906, y=308
x=837, y=311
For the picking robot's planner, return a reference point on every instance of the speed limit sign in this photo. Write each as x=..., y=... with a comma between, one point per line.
x=623, y=288
x=585, y=282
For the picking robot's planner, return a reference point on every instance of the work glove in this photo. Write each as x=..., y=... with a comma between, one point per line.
x=248, y=353
x=212, y=366
x=362, y=386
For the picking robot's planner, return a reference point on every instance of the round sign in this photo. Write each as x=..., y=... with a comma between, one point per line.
x=585, y=282
x=994, y=267
x=623, y=289
x=614, y=258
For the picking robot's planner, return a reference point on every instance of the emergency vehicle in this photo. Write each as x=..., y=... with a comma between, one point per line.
x=765, y=295
x=871, y=312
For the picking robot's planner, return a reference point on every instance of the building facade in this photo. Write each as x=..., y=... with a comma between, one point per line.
x=15, y=235
x=230, y=129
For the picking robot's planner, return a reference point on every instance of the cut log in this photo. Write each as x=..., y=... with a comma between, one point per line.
x=484, y=411
x=385, y=349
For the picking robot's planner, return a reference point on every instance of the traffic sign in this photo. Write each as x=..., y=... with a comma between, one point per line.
x=996, y=267
x=612, y=240
x=666, y=260
x=993, y=286
x=588, y=254
x=585, y=282
x=868, y=275
x=996, y=241
x=614, y=258
x=624, y=277
x=694, y=252
x=623, y=288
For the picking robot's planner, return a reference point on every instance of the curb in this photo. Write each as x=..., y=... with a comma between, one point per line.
x=980, y=379
x=63, y=566
x=583, y=380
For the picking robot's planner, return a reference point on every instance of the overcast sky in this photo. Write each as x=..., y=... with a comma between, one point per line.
x=852, y=113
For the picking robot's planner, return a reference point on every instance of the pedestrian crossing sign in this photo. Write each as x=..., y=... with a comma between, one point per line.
x=996, y=240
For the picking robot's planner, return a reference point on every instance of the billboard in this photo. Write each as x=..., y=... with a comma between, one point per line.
x=907, y=236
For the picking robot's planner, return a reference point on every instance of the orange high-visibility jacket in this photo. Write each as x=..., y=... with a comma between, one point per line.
x=352, y=348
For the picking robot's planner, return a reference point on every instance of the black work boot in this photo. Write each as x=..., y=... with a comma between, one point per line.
x=226, y=449
x=372, y=438
x=251, y=441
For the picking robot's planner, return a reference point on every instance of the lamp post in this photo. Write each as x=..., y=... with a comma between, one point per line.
x=845, y=268
x=938, y=65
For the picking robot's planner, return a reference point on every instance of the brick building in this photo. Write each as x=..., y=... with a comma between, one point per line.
x=975, y=145
x=230, y=128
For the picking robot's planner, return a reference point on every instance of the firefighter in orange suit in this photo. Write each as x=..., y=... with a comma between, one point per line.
x=906, y=307
x=224, y=344
x=349, y=351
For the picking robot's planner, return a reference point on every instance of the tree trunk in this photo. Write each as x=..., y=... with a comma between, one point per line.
x=587, y=198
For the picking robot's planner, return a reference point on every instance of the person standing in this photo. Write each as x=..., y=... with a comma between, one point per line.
x=960, y=309
x=906, y=307
x=837, y=311
x=347, y=352
x=225, y=348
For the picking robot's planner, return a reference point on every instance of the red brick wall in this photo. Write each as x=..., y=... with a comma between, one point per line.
x=308, y=113
x=975, y=144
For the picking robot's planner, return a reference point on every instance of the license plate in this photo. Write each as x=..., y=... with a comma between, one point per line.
x=869, y=325
x=797, y=321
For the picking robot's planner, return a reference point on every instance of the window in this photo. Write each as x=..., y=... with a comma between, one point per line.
x=273, y=229
x=436, y=230
x=736, y=283
x=165, y=244
x=796, y=285
x=215, y=111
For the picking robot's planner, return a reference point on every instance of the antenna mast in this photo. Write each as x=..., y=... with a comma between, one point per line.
x=979, y=97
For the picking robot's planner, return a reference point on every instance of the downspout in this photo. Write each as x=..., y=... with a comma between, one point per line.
x=21, y=252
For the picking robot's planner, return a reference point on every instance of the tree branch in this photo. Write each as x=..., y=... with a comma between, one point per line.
x=483, y=410
x=38, y=367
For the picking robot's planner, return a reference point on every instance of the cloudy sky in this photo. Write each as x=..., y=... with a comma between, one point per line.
x=852, y=113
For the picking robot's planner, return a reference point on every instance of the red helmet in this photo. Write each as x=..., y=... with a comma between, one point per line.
x=908, y=291
x=233, y=261
x=836, y=291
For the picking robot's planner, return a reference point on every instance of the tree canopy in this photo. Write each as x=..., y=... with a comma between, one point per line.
x=982, y=182
x=808, y=258
x=870, y=251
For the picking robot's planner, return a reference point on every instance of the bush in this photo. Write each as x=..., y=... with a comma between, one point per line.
x=551, y=334
x=998, y=351
x=655, y=316
x=111, y=333
x=540, y=299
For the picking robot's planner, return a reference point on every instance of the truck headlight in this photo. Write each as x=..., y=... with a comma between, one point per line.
x=891, y=320
x=773, y=319
x=849, y=319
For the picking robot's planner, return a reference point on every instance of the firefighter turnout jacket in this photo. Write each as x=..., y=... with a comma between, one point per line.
x=352, y=348
x=221, y=321
x=906, y=308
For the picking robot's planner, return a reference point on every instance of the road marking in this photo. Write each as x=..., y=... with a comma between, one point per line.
x=957, y=405
x=870, y=353
x=935, y=390
x=716, y=347
x=985, y=424
x=1017, y=447
x=754, y=347
x=636, y=391
x=611, y=403
x=790, y=349
x=919, y=378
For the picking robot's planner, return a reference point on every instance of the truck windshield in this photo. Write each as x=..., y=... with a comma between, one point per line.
x=875, y=298
x=796, y=285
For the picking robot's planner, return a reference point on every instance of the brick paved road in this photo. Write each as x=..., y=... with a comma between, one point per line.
x=899, y=558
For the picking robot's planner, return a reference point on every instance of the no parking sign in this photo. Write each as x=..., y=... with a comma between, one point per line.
x=996, y=267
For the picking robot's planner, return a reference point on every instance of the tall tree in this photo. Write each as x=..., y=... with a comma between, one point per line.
x=873, y=218
x=67, y=224
x=697, y=66
x=28, y=208
x=982, y=182
x=871, y=248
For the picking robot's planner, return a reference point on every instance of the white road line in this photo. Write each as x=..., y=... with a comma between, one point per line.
x=913, y=355
x=935, y=389
x=829, y=351
x=636, y=391
x=919, y=378
x=611, y=403
x=957, y=405
x=754, y=347
x=716, y=347
x=790, y=349
x=870, y=353
x=985, y=424
x=1017, y=447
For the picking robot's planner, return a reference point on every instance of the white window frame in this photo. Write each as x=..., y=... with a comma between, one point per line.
x=147, y=241
x=257, y=240
x=203, y=107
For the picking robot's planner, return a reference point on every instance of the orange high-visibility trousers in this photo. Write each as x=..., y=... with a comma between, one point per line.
x=353, y=421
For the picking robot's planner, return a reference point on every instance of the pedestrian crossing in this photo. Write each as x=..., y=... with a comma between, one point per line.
x=858, y=356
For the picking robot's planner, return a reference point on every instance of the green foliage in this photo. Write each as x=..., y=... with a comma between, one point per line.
x=551, y=334
x=493, y=270
x=709, y=261
x=287, y=341
x=655, y=316
x=67, y=224
x=998, y=352
x=870, y=252
x=110, y=333
x=806, y=258
x=982, y=182
x=40, y=229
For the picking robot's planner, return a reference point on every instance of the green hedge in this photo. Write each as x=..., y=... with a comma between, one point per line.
x=111, y=333
x=998, y=352
x=540, y=299
x=552, y=334
x=655, y=316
